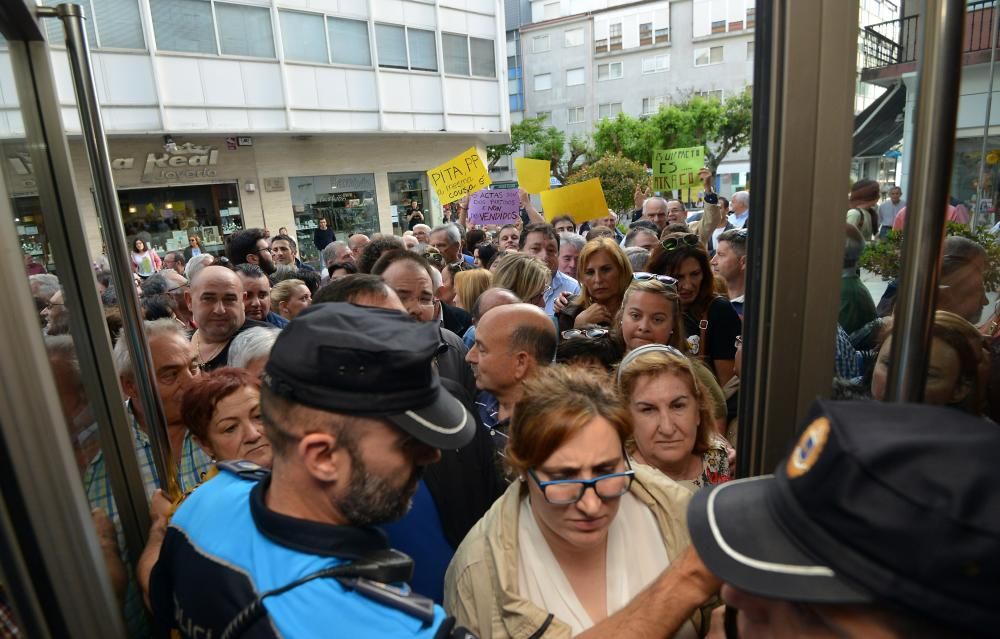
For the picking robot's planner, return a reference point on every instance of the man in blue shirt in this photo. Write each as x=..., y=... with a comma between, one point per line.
x=355, y=410
x=741, y=209
x=542, y=241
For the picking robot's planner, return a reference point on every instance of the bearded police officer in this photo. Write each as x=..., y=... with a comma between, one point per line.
x=354, y=409
x=883, y=523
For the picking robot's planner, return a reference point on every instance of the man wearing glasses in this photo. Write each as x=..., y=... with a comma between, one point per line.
x=250, y=246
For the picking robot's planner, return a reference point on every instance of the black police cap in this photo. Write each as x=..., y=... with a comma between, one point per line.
x=368, y=362
x=878, y=503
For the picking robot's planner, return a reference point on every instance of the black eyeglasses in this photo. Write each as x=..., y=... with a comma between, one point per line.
x=674, y=243
x=562, y=492
x=643, y=276
x=588, y=333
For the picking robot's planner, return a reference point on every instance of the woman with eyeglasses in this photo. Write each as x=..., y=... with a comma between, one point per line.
x=580, y=533
x=672, y=417
x=605, y=273
x=193, y=249
x=526, y=276
x=710, y=321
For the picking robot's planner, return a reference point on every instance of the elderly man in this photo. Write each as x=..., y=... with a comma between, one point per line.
x=800, y=558
x=357, y=244
x=654, y=209
x=286, y=253
x=676, y=213
x=343, y=464
x=337, y=252
x=257, y=298
x=216, y=299
x=423, y=233
x=56, y=315
x=512, y=342
x=541, y=241
x=250, y=246
x=570, y=245
x=740, y=204
x=177, y=284
x=447, y=239
x=410, y=276
x=175, y=260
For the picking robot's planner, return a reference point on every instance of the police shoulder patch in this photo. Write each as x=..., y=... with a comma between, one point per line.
x=243, y=469
x=808, y=448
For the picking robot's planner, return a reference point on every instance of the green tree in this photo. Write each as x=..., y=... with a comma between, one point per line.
x=526, y=132
x=563, y=157
x=618, y=175
x=721, y=127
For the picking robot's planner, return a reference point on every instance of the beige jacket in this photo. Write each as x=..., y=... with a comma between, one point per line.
x=711, y=218
x=481, y=585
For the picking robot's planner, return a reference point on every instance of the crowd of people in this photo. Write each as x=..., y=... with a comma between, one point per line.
x=528, y=431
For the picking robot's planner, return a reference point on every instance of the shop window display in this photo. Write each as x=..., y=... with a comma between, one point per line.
x=346, y=202
x=166, y=217
x=408, y=191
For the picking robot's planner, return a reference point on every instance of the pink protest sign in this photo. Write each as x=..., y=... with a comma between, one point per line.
x=501, y=206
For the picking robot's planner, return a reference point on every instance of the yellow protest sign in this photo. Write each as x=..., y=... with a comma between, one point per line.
x=532, y=175
x=675, y=169
x=463, y=174
x=583, y=201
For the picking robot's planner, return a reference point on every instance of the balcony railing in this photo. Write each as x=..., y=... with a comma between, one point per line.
x=895, y=42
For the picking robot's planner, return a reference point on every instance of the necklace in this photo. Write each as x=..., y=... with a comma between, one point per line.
x=212, y=353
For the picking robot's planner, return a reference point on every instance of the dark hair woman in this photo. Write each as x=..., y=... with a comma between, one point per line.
x=710, y=321
x=145, y=261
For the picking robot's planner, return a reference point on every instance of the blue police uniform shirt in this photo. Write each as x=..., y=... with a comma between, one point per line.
x=419, y=534
x=224, y=548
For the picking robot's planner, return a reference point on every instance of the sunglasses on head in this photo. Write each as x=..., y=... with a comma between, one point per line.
x=674, y=243
x=588, y=333
x=643, y=276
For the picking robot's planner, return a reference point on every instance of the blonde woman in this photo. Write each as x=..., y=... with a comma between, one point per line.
x=290, y=297
x=605, y=273
x=526, y=276
x=469, y=285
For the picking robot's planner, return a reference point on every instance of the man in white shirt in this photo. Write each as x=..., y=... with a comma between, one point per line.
x=887, y=211
x=740, y=204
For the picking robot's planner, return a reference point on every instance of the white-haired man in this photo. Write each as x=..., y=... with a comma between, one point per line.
x=740, y=204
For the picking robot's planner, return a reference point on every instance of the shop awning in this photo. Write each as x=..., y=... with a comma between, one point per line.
x=880, y=127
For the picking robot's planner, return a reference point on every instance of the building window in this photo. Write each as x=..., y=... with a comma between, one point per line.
x=405, y=48
x=484, y=61
x=347, y=202
x=610, y=71
x=540, y=44
x=244, y=30
x=605, y=111
x=550, y=10
x=183, y=25
x=652, y=105
x=574, y=115
x=709, y=95
x=573, y=38
x=750, y=50
x=751, y=17
x=645, y=34
x=456, y=53
x=722, y=16
x=543, y=82
x=574, y=77
x=656, y=63
x=662, y=35
x=303, y=36
x=615, y=36
x=423, y=52
x=110, y=24
x=516, y=102
x=349, y=42
x=544, y=116
x=704, y=56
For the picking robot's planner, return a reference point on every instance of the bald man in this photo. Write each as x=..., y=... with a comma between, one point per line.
x=216, y=299
x=512, y=342
x=487, y=300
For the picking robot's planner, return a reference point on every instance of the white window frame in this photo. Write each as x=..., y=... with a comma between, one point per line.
x=535, y=40
x=610, y=66
x=566, y=33
x=655, y=67
x=700, y=51
x=406, y=41
x=548, y=78
x=582, y=115
x=583, y=77
x=612, y=113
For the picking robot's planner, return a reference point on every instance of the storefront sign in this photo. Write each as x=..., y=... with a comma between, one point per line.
x=463, y=174
x=495, y=207
x=675, y=169
x=583, y=201
x=188, y=161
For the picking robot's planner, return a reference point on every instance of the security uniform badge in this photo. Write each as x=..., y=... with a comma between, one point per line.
x=243, y=469
x=694, y=344
x=808, y=448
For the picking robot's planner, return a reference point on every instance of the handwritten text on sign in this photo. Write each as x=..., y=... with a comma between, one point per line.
x=459, y=176
x=675, y=169
x=495, y=207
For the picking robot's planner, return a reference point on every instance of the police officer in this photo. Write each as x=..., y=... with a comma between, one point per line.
x=354, y=410
x=884, y=522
